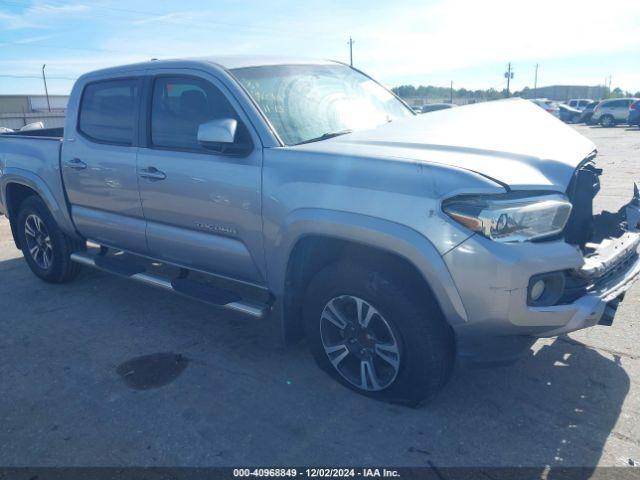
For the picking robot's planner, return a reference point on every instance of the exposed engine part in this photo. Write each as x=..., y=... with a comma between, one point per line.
x=610, y=255
x=614, y=242
x=632, y=210
x=582, y=190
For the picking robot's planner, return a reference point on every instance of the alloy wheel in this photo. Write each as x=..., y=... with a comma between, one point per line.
x=38, y=241
x=360, y=343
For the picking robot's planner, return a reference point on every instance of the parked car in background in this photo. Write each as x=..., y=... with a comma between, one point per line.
x=568, y=114
x=6, y=130
x=547, y=105
x=433, y=107
x=579, y=103
x=587, y=113
x=634, y=113
x=609, y=113
x=32, y=126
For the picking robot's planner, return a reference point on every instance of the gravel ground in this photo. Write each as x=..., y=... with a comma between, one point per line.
x=233, y=396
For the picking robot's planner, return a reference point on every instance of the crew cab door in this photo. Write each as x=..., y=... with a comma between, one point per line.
x=202, y=206
x=99, y=164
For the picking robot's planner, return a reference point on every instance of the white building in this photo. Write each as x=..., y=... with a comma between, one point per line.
x=19, y=110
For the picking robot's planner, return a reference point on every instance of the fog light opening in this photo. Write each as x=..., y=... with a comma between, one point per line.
x=537, y=289
x=545, y=289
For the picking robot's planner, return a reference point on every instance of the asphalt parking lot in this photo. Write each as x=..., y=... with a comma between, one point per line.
x=236, y=397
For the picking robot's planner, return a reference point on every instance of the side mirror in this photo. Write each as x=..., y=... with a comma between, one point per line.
x=216, y=134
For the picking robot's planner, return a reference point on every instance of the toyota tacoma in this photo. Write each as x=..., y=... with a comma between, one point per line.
x=305, y=193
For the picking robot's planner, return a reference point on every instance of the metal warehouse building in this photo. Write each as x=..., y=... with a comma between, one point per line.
x=562, y=93
x=17, y=111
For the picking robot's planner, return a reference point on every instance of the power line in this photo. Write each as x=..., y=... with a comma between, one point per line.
x=61, y=47
x=50, y=77
x=169, y=20
x=120, y=11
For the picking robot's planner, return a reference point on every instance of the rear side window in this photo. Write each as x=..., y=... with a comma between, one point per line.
x=107, y=111
x=180, y=105
x=617, y=104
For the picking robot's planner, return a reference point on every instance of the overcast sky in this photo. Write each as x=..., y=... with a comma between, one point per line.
x=398, y=42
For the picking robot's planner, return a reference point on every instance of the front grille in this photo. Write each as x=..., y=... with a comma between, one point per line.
x=576, y=287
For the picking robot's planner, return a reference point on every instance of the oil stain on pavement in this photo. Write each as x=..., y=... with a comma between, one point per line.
x=152, y=371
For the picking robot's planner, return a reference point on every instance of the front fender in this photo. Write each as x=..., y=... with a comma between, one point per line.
x=372, y=232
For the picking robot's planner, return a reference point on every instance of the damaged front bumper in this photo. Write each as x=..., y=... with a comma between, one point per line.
x=610, y=267
x=494, y=280
x=606, y=276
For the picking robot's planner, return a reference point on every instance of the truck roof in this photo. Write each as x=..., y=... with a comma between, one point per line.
x=222, y=61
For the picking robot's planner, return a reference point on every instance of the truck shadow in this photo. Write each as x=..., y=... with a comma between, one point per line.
x=557, y=407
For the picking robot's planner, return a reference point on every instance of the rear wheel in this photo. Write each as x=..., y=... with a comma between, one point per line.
x=373, y=335
x=607, y=121
x=45, y=247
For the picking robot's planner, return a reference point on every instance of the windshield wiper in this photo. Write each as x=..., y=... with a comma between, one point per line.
x=326, y=136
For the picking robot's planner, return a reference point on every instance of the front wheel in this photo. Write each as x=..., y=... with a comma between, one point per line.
x=45, y=247
x=375, y=336
x=607, y=121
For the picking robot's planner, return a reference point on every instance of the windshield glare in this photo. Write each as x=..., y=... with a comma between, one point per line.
x=305, y=102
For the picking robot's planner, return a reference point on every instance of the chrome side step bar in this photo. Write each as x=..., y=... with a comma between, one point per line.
x=217, y=297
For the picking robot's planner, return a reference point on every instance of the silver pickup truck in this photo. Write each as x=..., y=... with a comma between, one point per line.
x=303, y=191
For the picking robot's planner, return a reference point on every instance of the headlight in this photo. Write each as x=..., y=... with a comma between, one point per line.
x=511, y=217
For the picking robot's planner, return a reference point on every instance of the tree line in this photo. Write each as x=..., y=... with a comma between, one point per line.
x=443, y=93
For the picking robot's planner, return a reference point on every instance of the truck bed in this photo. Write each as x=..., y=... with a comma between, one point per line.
x=32, y=158
x=42, y=132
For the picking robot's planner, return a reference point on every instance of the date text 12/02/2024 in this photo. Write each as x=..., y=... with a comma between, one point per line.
x=316, y=472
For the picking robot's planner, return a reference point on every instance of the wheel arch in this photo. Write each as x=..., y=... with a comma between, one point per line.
x=17, y=186
x=15, y=193
x=314, y=238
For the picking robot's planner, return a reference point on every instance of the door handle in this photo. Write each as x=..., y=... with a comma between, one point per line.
x=152, y=173
x=76, y=164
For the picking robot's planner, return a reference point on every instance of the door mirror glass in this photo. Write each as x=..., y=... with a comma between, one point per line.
x=217, y=133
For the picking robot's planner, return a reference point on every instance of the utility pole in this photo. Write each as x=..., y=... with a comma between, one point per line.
x=451, y=93
x=351, y=42
x=535, y=84
x=607, y=86
x=508, y=75
x=46, y=92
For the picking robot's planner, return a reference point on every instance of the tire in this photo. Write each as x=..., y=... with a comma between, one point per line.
x=607, y=121
x=423, y=341
x=45, y=247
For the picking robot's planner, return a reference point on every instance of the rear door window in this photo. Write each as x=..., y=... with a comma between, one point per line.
x=616, y=104
x=108, y=111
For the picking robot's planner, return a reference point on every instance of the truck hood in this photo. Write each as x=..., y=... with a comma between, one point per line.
x=512, y=142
